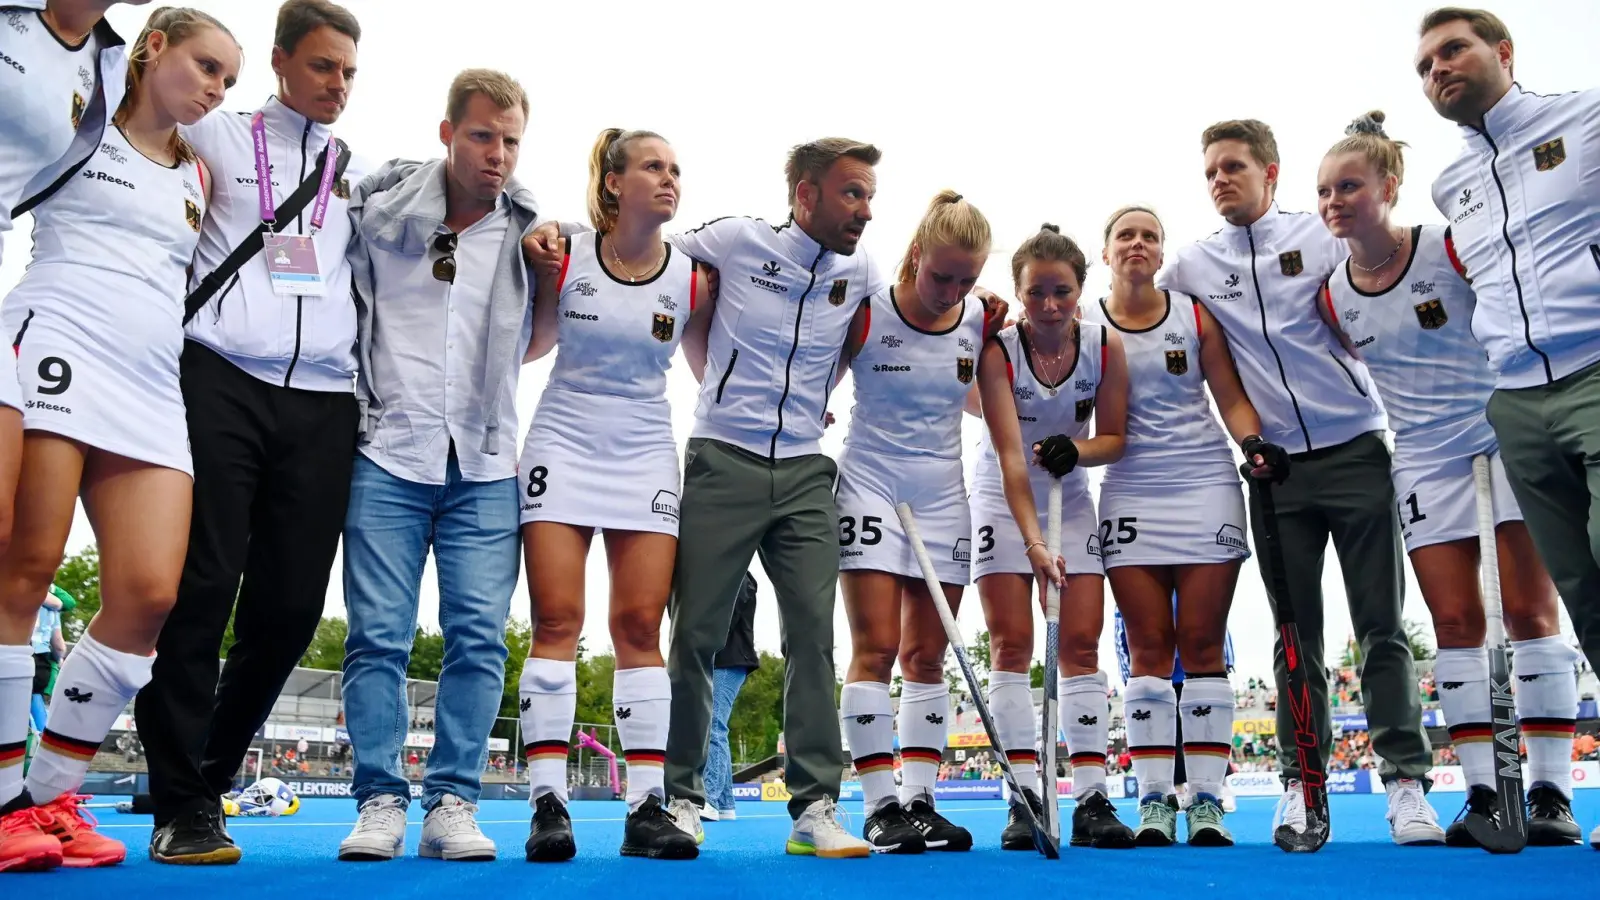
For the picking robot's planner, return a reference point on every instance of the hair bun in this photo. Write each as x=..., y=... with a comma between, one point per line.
x=1371, y=123
x=1048, y=227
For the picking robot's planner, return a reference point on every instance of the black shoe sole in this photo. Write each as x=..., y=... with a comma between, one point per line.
x=558, y=849
x=1152, y=838
x=1553, y=834
x=676, y=850
x=1104, y=842
x=1209, y=838
x=219, y=856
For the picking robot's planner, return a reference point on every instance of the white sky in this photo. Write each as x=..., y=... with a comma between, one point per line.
x=1036, y=112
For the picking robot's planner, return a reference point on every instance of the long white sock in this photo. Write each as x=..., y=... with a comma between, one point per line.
x=924, y=711
x=1462, y=675
x=642, y=699
x=94, y=686
x=1011, y=706
x=1151, y=707
x=1207, y=710
x=16, y=686
x=549, y=692
x=1086, y=713
x=1547, y=707
x=868, y=719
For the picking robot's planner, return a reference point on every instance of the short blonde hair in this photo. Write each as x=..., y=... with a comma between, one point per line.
x=497, y=86
x=950, y=221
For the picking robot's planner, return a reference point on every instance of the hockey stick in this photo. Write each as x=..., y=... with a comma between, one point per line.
x=1297, y=693
x=1510, y=833
x=1050, y=710
x=1041, y=838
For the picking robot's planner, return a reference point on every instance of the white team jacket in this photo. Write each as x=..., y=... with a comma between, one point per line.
x=299, y=342
x=1309, y=391
x=783, y=309
x=1523, y=201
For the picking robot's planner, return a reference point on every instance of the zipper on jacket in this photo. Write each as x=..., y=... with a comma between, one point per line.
x=800, y=312
x=1594, y=250
x=1347, y=373
x=299, y=300
x=1261, y=303
x=827, y=389
x=721, y=385
x=1505, y=232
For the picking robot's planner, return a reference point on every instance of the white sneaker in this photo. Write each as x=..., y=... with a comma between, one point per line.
x=818, y=832
x=380, y=831
x=1291, y=809
x=727, y=815
x=450, y=831
x=709, y=813
x=686, y=815
x=1412, y=820
x=1230, y=802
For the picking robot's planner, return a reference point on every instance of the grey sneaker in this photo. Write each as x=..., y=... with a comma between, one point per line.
x=380, y=831
x=450, y=831
x=1158, y=822
x=686, y=813
x=1204, y=818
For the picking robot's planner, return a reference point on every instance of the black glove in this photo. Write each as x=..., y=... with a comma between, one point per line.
x=1058, y=454
x=1271, y=454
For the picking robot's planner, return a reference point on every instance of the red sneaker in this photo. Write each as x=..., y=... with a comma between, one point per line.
x=24, y=845
x=73, y=826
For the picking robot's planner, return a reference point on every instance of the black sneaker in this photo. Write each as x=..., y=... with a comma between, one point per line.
x=550, y=834
x=889, y=831
x=938, y=833
x=194, y=839
x=651, y=831
x=1550, y=821
x=1481, y=800
x=1018, y=836
x=1095, y=824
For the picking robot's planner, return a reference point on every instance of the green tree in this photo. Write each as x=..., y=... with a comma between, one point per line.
x=327, y=645
x=595, y=676
x=1417, y=637
x=1036, y=675
x=80, y=577
x=978, y=652
x=427, y=655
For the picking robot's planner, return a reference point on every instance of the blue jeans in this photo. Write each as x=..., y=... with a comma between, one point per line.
x=474, y=532
x=725, y=684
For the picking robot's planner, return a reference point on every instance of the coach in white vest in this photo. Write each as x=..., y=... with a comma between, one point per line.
x=445, y=313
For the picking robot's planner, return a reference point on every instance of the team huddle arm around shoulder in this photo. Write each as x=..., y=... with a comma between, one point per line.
x=546, y=302
x=712, y=242
x=1110, y=409
x=1326, y=311
x=854, y=340
x=1239, y=415
x=697, y=333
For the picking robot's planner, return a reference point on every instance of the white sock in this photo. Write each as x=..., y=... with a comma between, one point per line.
x=924, y=711
x=1462, y=675
x=642, y=699
x=1547, y=707
x=868, y=719
x=94, y=686
x=1151, y=707
x=1086, y=715
x=549, y=692
x=16, y=686
x=1207, y=710
x=1011, y=706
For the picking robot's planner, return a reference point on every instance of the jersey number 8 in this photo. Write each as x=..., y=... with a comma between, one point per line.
x=870, y=534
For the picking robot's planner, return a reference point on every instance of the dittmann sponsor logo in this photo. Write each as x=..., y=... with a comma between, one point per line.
x=962, y=553
x=587, y=317
x=665, y=503
x=1231, y=536
x=883, y=368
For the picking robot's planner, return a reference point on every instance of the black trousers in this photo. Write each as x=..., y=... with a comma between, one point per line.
x=271, y=482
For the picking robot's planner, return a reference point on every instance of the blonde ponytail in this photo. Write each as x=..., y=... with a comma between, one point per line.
x=950, y=221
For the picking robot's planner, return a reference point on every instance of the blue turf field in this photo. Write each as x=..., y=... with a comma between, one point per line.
x=294, y=857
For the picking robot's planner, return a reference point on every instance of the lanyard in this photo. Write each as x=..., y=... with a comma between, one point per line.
x=319, y=208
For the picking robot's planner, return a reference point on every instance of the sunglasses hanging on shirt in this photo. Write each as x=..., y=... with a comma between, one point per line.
x=444, y=268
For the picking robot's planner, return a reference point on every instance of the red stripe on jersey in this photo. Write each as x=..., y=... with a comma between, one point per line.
x=1103, y=352
x=694, y=286
x=1199, y=330
x=1011, y=374
x=866, y=325
x=565, y=261
x=1450, y=251
x=200, y=169
x=1327, y=299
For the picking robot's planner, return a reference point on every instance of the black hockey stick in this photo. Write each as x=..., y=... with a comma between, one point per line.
x=1508, y=831
x=1042, y=838
x=1297, y=692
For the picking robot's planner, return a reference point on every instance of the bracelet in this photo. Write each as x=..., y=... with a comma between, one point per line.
x=1029, y=546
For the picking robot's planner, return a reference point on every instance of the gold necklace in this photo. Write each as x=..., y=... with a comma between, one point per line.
x=1389, y=259
x=1052, y=377
x=632, y=278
